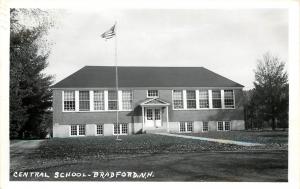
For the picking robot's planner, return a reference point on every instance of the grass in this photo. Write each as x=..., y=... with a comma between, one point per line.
x=167, y=156
x=101, y=147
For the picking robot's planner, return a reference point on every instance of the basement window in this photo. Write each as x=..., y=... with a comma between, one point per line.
x=186, y=127
x=205, y=126
x=121, y=129
x=77, y=130
x=223, y=126
x=99, y=129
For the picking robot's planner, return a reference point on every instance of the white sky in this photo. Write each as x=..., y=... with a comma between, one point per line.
x=228, y=42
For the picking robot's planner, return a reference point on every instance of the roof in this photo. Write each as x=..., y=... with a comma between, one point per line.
x=129, y=76
x=154, y=102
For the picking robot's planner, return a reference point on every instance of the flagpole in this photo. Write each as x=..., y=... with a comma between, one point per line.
x=117, y=80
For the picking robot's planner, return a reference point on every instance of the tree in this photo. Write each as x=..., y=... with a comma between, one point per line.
x=270, y=97
x=30, y=94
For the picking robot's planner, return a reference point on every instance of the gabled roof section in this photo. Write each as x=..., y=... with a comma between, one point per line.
x=154, y=101
x=104, y=77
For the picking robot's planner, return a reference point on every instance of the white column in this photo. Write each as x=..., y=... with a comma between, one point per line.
x=197, y=99
x=184, y=99
x=222, y=99
x=105, y=100
x=120, y=100
x=210, y=99
x=76, y=101
x=168, y=129
x=91, y=100
x=143, y=123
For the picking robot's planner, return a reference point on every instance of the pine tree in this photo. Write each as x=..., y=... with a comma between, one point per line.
x=30, y=94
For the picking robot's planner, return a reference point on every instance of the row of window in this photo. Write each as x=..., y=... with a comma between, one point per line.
x=122, y=128
x=96, y=100
x=201, y=99
x=80, y=130
x=100, y=100
x=188, y=126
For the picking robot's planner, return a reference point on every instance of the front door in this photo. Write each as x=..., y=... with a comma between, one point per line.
x=153, y=117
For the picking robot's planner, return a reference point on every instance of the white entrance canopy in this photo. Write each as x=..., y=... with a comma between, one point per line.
x=154, y=102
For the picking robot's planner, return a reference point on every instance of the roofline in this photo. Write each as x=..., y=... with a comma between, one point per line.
x=148, y=66
x=103, y=88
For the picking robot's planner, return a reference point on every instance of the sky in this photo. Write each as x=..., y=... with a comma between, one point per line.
x=228, y=42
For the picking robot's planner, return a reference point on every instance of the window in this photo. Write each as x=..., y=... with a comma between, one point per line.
x=177, y=99
x=112, y=100
x=99, y=129
x=121, y=129
x=203, y=99
x=81, y=129
x=186, y=127
x=205, y=126
x=152, y=93
x=189, y=126
x=227, y=125
x=77, y=130
x=228, y=99
x=98, y=100
x=127, y=100
x=157, y=114
x=223, y=125
x=149, y=114
x=220, y=126
x=191, y=99
x=182, y=127
x=84, y=100
x=73, y=130
x=216, y=99
x=69, y=100
x=124, y=128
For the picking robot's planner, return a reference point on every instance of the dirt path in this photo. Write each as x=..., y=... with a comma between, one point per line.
x=240, y=143
x=19, y=151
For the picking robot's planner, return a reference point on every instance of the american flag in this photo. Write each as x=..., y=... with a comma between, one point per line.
x=109, y=33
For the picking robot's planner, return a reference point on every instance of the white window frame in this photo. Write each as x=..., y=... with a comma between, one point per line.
x=94, y=101
x=118, y=101
x=174, y=99
x=102, y=125
x=212, y=106
x=218, y=125
x=63, y=101
x=131, y=100
x=120, y=129
x=89, y=95
x=91, y=100
x=77, y=130
x=152, y=96
x=223, y=125
x=186, y=126
x=191, y=99
x=202, y=99
x=229, y=125
x=203, y=126
x=232, y=97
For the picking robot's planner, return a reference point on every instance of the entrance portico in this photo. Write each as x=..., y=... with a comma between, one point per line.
x=152, y=114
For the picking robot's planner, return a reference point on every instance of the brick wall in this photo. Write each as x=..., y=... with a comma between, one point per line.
x=66, y=118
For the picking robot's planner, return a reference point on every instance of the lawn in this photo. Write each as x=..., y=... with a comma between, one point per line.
x=171, y=158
